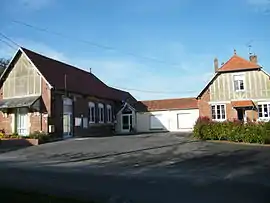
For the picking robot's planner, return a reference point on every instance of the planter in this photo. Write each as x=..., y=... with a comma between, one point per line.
x=18, y=142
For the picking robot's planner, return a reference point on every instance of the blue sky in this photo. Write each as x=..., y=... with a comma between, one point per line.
x=185, y=35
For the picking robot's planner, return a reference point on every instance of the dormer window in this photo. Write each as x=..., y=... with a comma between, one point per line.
x=238, y=81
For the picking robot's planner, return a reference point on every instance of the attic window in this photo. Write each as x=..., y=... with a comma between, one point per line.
x=238, y=81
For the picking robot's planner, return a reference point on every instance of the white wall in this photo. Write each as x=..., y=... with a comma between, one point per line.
x=169, y=120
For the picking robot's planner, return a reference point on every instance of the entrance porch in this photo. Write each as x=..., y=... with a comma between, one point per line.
x=23, y=115
x=242, y=108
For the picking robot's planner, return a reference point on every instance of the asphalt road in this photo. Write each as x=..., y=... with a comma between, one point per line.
x=143, y=168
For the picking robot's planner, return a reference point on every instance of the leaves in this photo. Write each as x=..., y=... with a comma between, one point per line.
x=235, y=131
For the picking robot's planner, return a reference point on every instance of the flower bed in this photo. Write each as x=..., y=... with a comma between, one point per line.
x=35, y=138
x=235, y=131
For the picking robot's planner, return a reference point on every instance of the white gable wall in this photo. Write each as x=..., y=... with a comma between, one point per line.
x=170, y=120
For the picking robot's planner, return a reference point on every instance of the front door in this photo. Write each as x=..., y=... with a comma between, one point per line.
x=240, y=114
x=67, y=125
x=126, y=123
x=22, y=121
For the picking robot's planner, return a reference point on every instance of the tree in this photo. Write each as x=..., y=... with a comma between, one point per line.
x=3, y=62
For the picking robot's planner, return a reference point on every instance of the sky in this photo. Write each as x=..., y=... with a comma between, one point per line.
x=155, y=49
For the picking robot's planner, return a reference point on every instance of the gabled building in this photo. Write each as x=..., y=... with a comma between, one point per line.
x=38, y=93
x=239, y=89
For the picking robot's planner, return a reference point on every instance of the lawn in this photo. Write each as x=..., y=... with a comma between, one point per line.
x=10, y=195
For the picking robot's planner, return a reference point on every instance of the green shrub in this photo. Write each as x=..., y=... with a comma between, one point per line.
x=234, y=131
x=41, y=136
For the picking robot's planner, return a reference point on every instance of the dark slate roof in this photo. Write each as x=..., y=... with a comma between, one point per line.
x=18, y=102
x=77, y=80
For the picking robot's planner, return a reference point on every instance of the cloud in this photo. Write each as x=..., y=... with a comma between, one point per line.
x=35, y=4
x=259, y=2
x=261, y=6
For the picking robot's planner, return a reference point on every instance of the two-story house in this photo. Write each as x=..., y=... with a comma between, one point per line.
x=38, y=93
x=239, y=89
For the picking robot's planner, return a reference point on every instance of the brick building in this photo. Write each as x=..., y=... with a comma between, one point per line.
x=42, y=94
x=239, y=89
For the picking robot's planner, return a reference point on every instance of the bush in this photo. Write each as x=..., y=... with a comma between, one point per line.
x=41, y=136
x=235, y=131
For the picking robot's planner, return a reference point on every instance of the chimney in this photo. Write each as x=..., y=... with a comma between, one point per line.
x=216, y=64
x=253, y=58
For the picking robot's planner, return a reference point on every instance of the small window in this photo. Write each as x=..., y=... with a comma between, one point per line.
x=92, y=112
x=109, y=113
x=101, y=112
x=238, y=82
x=218, y=112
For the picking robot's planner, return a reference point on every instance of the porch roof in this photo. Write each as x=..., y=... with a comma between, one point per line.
x=18, y=102
x=242, y=103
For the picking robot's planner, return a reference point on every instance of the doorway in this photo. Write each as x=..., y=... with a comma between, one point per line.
x=241, y=114
x=67, y=118
x=67, y=125
x=22, y=122
x=126, y=123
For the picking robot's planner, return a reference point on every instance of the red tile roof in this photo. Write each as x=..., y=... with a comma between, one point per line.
x=236, y=63
x=166, y=104
x=242, y=103
x=77, y=80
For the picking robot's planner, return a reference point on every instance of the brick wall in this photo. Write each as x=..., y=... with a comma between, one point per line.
x=204, y=107
x=81, y=110
x=231, y=112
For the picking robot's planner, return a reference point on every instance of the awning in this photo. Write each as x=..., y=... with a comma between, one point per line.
x=242, y=103
x=18, y=102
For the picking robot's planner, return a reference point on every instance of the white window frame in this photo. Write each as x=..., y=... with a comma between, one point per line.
x=92, y=119
x=220, y=111
x=100, y=114
x=238, y=82
x=263, y=117
x=109, y=113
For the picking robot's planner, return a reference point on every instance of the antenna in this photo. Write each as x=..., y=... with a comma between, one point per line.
x=249, y=49
x=249, y=45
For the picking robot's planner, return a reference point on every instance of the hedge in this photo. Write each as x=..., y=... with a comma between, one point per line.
x=235, y=131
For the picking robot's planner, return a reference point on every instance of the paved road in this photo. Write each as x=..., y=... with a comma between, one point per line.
x=143, y=168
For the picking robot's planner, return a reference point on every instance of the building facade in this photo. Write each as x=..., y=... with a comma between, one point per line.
x=239, y=90
x=41, y=94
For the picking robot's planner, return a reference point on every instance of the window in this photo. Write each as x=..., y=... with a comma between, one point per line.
x=218, y=112
x=238, y=82
x=264, y=110
x=109, y=113
x=101, y=113
x=92, y=112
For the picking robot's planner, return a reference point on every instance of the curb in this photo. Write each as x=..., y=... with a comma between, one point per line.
x=239, y=143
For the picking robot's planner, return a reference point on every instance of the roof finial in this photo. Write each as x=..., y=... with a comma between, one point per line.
x=234, y=51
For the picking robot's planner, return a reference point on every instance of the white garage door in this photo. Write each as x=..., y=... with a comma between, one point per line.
x=185, y=121
x=156, y=121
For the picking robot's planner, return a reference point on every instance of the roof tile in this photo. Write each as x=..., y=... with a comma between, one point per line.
x=236, y=63
x=166, y=104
